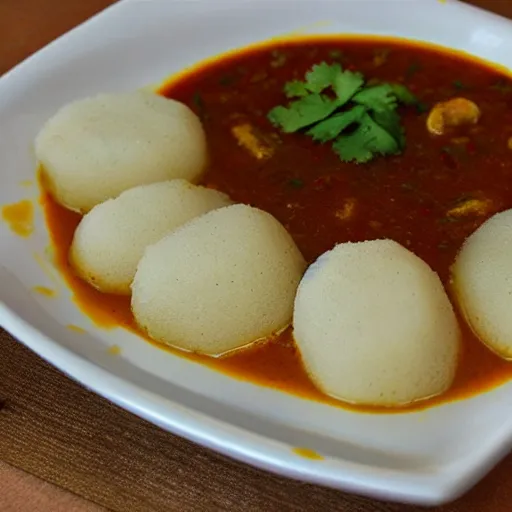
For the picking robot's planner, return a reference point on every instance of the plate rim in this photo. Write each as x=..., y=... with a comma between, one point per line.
x=233, y=441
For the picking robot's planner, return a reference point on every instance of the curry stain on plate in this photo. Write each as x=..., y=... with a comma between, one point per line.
x=26, y=183
x=62, y=223
x=114, y=350
x=76, y=328
x=307, y=453
x=19, y=217
x=44, y=290
x=49, y=269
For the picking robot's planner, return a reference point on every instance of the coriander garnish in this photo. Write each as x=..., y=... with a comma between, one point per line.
x=336, y=104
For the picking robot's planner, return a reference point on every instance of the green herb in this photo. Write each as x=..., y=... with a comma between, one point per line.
x=198, y=101
x=364, y=143
x=303, y=112
x=403, y=94
x=331, y=127
x=412, y=69
x=459, y=85
x=296, y=183
x=377, y=98
x=295, y=88
x=332, y=104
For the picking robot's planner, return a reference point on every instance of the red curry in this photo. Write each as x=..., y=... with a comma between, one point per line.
x=418, y=198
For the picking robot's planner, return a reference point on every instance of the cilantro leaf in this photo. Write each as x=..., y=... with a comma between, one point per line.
x=353, y=147
x=333, y=104
x=331, y=127
x=404, y=95
x=346, y=84
x=377, y=98
x=390, y=121
x=381, y=100
x=366, y=141
x=322, y=76
x=304, y=112
x=295, y=88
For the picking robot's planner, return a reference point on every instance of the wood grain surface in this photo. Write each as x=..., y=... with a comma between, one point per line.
x=55, y=429
x=21, y=492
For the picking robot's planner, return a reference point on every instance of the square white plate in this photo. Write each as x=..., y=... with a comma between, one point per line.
x=426, y=457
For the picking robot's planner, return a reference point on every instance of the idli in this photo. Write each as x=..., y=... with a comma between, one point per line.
x=482, y=282
x=95, y=148
x=218, y=283
x=374, y=325
x=111, y=238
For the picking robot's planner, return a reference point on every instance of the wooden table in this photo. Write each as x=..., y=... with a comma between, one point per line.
x=53, y=428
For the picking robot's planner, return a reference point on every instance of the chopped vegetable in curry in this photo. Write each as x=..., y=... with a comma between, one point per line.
x=473, y=206
x=246, y=137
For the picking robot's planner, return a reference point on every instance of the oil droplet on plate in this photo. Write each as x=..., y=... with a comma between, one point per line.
x=43, y=290
x=76, y=328
x=307, y=453
x=19, y=217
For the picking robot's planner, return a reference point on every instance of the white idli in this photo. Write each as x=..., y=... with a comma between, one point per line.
x=94, y=149
x=482, y=282
x=374, y=325
x=218, y=283
x=111, y=238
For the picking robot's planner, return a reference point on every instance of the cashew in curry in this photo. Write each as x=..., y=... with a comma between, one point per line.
x=452, y=113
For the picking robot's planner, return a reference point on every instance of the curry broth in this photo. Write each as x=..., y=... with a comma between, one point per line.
x=322, y=201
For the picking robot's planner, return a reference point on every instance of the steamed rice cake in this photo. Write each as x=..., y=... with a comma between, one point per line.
x=220, y=282
x=374, y=325
x=110, y=239
x=93, y=149
x=482, y=281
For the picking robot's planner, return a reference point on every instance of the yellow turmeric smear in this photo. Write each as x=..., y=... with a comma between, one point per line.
x=19, y=217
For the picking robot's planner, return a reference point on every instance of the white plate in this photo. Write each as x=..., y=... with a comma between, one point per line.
x=425, y=457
